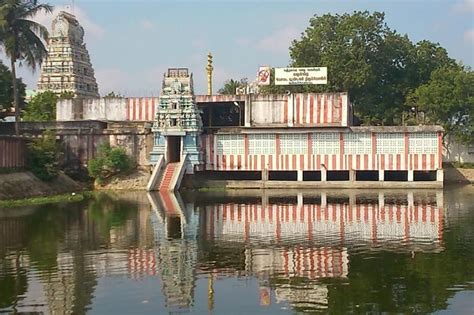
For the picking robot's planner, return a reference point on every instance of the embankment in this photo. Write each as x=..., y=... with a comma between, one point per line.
x=22, y=185
x=458, y=175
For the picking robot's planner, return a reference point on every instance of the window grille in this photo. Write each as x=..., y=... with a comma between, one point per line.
x=423, y=143
x=357, y=143
x=230, y=144
x=262, y=144
x=390, y=143
x=326, y=143
x=294, y=144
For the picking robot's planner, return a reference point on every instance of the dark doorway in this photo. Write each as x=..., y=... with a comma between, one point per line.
x=174, y=149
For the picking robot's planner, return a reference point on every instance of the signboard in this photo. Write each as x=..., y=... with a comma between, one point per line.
x=263, y=76
x=300, y=76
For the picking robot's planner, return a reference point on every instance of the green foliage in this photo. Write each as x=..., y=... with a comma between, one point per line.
x=43, y=154
x=110, y=161
x=6, y=90
x=376, y=65
x=67, y=95
x=113, y=95
x=448, y=100
x=42, y=107
x=231, y=85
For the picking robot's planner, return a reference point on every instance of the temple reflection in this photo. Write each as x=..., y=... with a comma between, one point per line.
x=290, y=242
x=294, y=245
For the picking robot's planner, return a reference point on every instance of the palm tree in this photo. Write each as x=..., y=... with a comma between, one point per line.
x=22, y=39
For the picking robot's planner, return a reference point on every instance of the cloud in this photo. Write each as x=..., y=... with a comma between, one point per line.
x=469, y=36
x=112, y=79
x=242, y=41
x=464, y=6
x=147, y=25
x=93, y=31
x=279, y=40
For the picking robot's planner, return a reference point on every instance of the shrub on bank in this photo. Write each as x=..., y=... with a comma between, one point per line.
x=109, y=162
x=42, y=157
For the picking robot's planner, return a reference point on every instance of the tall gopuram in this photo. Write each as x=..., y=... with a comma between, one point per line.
x=67, y=67
x=178, y=122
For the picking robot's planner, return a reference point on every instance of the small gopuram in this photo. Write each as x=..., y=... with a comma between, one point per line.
x=177, y=124
x=67, y=67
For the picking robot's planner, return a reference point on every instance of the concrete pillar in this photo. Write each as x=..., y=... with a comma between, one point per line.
x=324, y=175
x=324, y=200
x=411, y=175
x=410, y=199
x=299, y=200
x=265, y=174
x=439, y=175
x=300, y=175
x=248, y=111
x=381, y=200
x=352, y=175
x=381, y=175
x=439, y=199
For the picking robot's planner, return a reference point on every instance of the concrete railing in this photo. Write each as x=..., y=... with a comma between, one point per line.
x=178, y=176
x=156, y=174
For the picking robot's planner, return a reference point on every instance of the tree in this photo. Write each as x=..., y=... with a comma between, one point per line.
x=22, y=39
x=109, y=162
x=230, y=86
x=42, y=157
x=6, y=90
x=376, y=65
x=41, y=107
x=448, y=99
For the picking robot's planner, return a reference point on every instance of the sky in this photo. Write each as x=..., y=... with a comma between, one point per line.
x=132, y=42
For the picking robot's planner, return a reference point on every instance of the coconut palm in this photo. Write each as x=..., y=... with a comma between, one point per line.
x=22, y=39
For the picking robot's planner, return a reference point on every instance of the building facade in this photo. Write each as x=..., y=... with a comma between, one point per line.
x=67, y=67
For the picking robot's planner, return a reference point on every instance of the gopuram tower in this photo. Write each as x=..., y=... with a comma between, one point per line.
x=67, y=67
x=178, y=122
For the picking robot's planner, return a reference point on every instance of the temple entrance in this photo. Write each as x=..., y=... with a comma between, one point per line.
x=173, y=153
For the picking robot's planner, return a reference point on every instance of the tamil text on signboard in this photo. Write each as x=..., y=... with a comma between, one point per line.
x=299, y=76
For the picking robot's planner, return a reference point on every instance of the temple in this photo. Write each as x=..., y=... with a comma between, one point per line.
x=67, y=67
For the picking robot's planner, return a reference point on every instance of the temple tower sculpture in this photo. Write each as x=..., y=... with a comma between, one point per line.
x=67, y=67
x=178, y=122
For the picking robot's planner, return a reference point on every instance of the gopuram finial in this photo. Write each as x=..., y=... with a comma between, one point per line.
x=209, y=69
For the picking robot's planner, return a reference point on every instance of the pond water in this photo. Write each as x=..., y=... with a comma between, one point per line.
x=242, y=252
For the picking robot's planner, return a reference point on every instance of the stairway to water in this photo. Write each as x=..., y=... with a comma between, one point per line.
x=168, y=174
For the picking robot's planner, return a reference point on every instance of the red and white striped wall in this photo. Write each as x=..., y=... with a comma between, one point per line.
x=299, y=261
x=141, y=108
x=238, y=153
x=336, y=222
x=141, y=262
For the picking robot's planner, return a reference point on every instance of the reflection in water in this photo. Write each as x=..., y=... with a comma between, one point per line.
x=304, y=251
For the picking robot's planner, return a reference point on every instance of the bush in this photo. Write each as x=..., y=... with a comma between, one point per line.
x=109, y=162
x=42, y=158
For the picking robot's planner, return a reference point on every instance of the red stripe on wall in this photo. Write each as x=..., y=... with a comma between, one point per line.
x=298, y=109
x=358, y=162
x=319, y=108
x=285, y=111
x=231, y=162
x=423, y=161
x=310, y=149
x=140, y=109
x=302, y=162
x=366, y=161
x=432, y=161
x=262, y=162
x=382, y=162
x=399, y=162
x=415, y=158
x=146, y=109
x=318, y=162
x=255, y=161
x=311, y=109
x=325, y=119
x=134, y=117
x=406, y=142
x=440, y=150
x=374, y=151
x=128, y=109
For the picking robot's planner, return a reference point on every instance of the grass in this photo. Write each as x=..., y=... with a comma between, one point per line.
x=72, y=197
x=463, y=165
